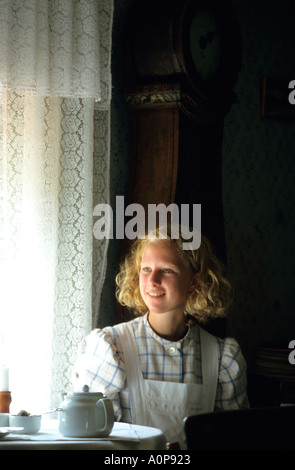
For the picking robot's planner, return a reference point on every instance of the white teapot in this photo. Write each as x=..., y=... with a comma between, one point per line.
x=85, y=414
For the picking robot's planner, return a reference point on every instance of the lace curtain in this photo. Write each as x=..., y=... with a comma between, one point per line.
x=54, y=143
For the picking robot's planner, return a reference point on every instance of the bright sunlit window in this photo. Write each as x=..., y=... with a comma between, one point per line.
x=51, y=92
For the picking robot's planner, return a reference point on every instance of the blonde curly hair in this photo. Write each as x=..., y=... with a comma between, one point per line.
x=209, y=299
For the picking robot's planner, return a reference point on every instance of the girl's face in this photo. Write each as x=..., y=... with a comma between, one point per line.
x=164, y=280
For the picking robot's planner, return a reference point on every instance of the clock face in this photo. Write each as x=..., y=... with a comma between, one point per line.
x=205, y=43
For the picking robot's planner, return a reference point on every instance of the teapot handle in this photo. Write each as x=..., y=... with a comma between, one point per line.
x=109, y=416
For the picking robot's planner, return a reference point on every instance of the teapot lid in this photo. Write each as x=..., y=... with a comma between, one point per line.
x=85, y=393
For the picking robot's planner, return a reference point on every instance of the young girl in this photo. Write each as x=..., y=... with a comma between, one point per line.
x=162, y=366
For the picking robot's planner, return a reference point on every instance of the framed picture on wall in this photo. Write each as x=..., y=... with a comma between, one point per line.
x=276, y=102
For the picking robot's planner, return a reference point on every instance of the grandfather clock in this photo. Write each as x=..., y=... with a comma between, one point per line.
x=182, y=60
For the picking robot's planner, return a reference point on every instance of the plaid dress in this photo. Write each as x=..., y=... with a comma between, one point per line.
x=100, y=364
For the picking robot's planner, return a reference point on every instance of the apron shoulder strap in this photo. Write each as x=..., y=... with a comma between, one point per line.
x=210, y=367
x=132, y=368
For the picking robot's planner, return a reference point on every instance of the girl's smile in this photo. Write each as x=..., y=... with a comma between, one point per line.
x=155, y=294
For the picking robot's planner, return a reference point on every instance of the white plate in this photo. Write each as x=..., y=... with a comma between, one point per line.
x=8, y=429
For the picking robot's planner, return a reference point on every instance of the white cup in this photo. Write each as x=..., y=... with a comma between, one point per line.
x=4, y=419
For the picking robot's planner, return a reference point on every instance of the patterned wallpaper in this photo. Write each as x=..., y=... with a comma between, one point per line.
x=258, y=179
x=258, y=183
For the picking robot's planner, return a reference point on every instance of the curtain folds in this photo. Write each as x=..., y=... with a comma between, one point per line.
x=55, y=99
x=50, y=47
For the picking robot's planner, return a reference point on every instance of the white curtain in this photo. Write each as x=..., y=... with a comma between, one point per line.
x=54, y=136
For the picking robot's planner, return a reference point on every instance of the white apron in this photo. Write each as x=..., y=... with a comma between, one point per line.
x=164, y=405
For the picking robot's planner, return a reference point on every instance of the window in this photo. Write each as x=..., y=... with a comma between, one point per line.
x=48, y=125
